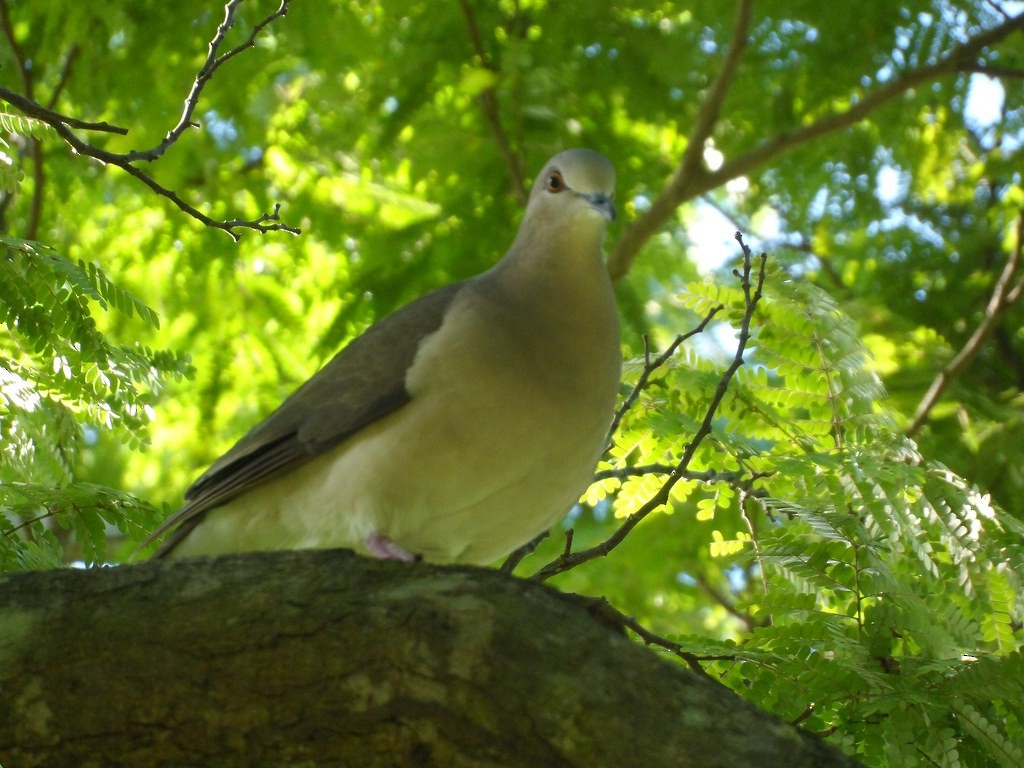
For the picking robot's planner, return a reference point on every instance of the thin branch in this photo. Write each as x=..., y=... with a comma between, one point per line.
x=523, y=552
x=27, y=523
x=48, y=116
x=210, y=66
x=492, y=113
x=12, y=41
x=1003, y=297
x=706, y=476
x=782, y=242
x=994, y=71
x=64, y=125
x=752, y=296
x=35, y=208
x=682, y=187
x=109, y=158
x=748, y=621
x=610, y=613
x=758, y=498
x=65, y=75
x=35, y=211
x=650, y=366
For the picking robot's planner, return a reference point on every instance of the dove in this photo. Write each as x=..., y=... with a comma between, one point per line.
x=453, y=430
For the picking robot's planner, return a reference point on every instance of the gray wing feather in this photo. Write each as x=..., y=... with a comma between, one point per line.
x=362, y=383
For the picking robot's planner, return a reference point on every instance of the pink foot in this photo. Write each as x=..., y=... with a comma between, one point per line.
x=384, y=548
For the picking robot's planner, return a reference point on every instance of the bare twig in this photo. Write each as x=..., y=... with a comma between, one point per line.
x=622, y=473
x=65, y=127
x=696, y=180
x=35, y=210
x=780, y=242
x=48, y=116
x=1003, y=297
x=523, y=552
x=492, y=113
x=210, y=66
x=650, y=366
x=743, y=481
x=748, y=621
x=65, y=75
x=12, y=41
x=752, y=296
x=752, y=529
x=608, y=612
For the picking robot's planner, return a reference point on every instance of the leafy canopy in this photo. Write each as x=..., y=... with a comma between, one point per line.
x=832, y=528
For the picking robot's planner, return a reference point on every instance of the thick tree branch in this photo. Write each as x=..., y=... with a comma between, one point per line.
x=697, y=180
x=1004, y=296
x=323, y=657
x=752, y=292
x=65, y=127
x=711, y=107
x=691, y=165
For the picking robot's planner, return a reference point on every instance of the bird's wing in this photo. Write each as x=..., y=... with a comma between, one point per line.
x=362, y=383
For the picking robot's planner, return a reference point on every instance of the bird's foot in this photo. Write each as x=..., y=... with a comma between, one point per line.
x=384, y=548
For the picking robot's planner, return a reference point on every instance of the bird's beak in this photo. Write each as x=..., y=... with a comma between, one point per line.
x=602, y=204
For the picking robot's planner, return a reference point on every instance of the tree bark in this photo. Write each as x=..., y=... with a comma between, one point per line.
x=322, y=658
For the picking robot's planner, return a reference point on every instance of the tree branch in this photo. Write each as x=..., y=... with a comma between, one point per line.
x=691, y=164
x=48, y=116
x=608, y=612
x=488, y=99
x=993, y=71
x=683, y=187
x=1003, y=297
x=711, y=108
x=65, y=75
x=210, y=66
x=706, y=476
x=752, y=296
x=721, y=599
x=64, y=125
x=339, y=659
x=18, y=54
x=650, y=366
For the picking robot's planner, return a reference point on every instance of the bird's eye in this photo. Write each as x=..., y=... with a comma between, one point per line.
x=555, y=182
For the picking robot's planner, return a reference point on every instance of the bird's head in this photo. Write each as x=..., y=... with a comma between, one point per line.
x=575, y=185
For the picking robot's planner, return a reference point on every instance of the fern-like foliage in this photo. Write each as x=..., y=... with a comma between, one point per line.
x=884, y=592
x=16, y=126
x=58, y=373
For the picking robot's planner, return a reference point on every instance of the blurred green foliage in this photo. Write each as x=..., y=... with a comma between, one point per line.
x=835, y=571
